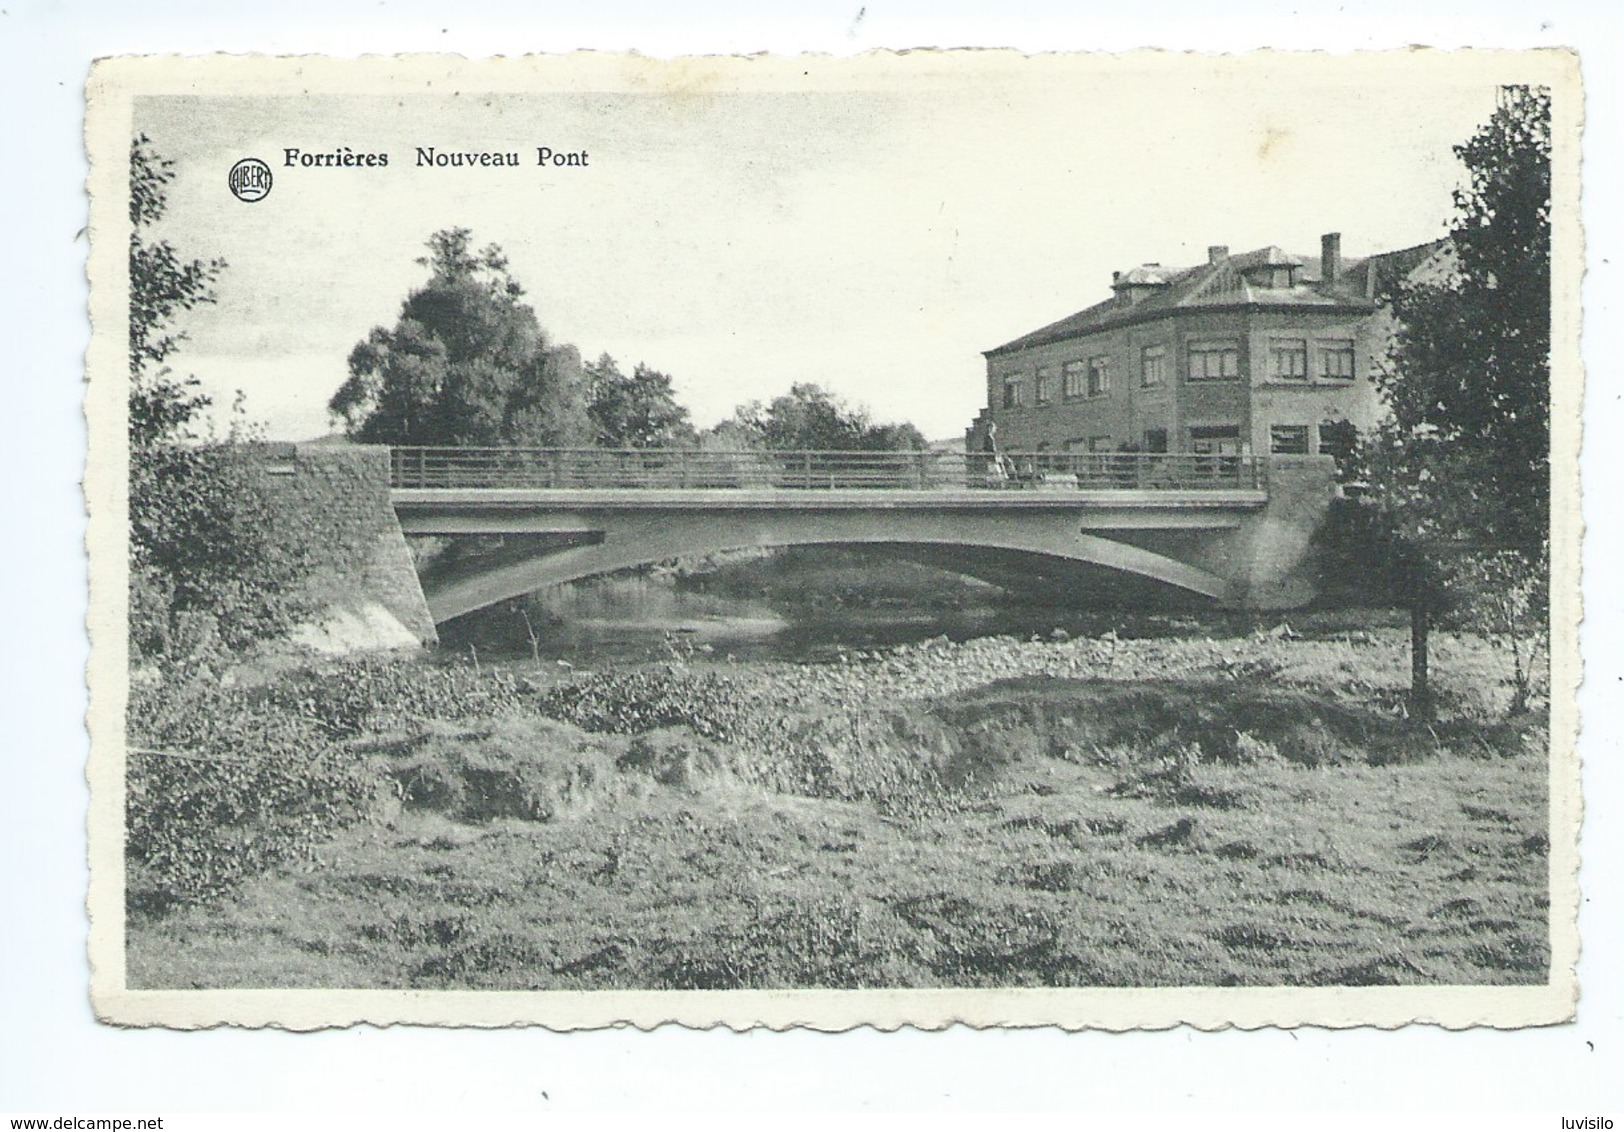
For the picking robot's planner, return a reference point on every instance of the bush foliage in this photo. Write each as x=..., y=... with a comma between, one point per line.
x=223, y=781
x=218, y=788
x=205, y=540
x=629, y=702
x=374, y=695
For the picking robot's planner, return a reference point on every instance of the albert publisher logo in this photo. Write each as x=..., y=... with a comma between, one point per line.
x=250, y=180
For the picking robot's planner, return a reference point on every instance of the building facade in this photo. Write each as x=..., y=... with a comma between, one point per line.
x=1259, y=353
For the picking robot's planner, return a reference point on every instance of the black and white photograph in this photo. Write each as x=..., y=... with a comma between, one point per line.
x=1080, y=540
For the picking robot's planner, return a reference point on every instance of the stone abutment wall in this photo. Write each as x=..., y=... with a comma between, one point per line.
x=333, y=502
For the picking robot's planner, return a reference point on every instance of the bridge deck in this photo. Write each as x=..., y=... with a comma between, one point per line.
x=835, y=499
x=1012, y=478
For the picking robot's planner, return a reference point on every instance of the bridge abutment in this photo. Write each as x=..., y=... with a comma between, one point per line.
x=333, y=502
x=1279, y=569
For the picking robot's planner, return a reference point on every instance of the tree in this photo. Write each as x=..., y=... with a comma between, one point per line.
x=163, y=407
x=640, y=411
x=205, y=563
x=210, y=560
x=466, y=363
x=1459, y=469
x=809, y=417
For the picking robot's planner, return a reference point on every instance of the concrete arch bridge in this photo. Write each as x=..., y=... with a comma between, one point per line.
x=1234, y=530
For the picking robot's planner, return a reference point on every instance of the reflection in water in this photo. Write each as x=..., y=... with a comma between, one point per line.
x=794, y=609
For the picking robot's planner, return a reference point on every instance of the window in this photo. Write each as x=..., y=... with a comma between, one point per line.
x=1337, y=438
x=1100, y=444
x=1216, y=440
x=1336, y=360
x=1153, y=365
x=1288, y=440
x=1214, y=361
x=1012, y=391
x=1045, y=385
x=1288, y=359
x=1075, y=376
x=1155, y=440
x=1099, y=376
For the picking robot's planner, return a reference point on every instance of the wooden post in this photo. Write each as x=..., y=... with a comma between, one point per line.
x=1421, y=705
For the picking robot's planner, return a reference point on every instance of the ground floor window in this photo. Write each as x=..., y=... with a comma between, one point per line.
x=1288, y=440
x=1215, y=440
x=1155, y=440
x=1338, y=439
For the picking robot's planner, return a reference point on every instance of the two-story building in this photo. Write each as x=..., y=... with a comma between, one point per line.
x=1259, y=353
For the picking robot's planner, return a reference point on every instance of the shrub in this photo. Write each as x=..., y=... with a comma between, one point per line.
x=675, y=756
x=892, y=756
x=216, y=791
x=533, y=770
x=380, y=694
x=1249, y=749
x=205, y=537
x=224, y=781
x=632, y=702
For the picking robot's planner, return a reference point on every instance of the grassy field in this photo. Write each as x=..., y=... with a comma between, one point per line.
x=1247, y=811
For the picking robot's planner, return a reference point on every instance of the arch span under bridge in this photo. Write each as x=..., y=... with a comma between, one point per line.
x=1236, y=530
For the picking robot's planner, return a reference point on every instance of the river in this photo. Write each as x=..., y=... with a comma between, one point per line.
x=810, y=605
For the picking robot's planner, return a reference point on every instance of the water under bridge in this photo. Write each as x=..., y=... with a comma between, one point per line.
x=1233, y=529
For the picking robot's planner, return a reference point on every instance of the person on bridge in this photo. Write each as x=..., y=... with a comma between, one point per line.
x=998, y=467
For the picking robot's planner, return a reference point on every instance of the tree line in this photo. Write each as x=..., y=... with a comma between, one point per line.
x=468, y=363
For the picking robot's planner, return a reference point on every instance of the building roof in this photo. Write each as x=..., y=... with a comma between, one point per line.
x=1153, y=291
x=1389, y=268
x=1148, y=274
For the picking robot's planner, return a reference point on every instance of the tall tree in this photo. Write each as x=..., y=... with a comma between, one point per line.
x=1470, y=377
x=466, y=363
x=810, y=417
x=1459, y=471
x=640, y=411
x=205, y=561
x=163, y=283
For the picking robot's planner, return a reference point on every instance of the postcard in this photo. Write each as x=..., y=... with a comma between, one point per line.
x=921, y=538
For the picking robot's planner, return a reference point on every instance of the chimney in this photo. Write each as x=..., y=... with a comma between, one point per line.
x=1216, y=252
x=1330, y=258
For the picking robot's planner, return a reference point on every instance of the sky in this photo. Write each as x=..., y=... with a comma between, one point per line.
x=870, y=227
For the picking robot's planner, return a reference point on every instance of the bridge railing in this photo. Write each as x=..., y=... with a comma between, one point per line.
x=682, y=468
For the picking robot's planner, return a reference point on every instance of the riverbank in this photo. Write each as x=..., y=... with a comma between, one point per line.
x=1251, y=810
